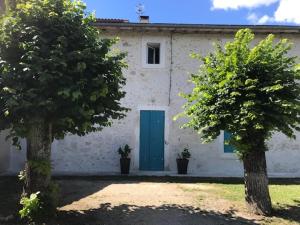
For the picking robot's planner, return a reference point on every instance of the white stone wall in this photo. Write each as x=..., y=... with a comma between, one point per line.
x=4, y=152
x=158, y=88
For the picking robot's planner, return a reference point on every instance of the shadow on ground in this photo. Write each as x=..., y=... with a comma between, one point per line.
x=10, y=192
x=74, y=189
x=148, y=215
x=289, y=212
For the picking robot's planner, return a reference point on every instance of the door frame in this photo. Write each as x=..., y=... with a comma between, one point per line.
x=136, y=154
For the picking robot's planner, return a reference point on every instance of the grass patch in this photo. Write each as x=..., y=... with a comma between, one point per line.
x=285, y=199
x=285, y=194
x=280, y=194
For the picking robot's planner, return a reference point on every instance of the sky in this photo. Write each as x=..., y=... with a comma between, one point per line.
x=257, y=12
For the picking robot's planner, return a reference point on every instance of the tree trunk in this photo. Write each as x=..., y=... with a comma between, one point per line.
x=38, y=167
x=6, y=5
x=256, y=183
x=10, y=4
x=2, y=7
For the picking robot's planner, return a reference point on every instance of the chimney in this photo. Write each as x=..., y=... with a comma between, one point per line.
x=144, y=19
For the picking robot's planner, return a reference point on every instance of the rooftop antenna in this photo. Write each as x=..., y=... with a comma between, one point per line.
x=140, y=9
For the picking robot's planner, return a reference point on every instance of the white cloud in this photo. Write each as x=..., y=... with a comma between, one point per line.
x=288, y=11
x=264, y=19
x=237, y=4
x=252, y=18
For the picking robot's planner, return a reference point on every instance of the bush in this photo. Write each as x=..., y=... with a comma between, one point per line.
x=185, y=154
x=31, y=206
x=124, y=152
x=40, y=206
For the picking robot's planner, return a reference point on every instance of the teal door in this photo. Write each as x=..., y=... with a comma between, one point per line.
x=152, y=132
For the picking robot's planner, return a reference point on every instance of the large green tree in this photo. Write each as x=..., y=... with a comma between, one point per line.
x=56, y=77
x=251, y=93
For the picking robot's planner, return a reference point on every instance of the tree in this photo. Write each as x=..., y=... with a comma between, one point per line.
x=251, y=93
x=6, y=5
x=56, y=77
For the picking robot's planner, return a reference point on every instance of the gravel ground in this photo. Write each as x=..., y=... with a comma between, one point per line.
x=138, y=203
x=131, y=202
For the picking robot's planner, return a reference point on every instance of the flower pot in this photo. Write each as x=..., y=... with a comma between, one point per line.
x=182, y=165
x=125, y=165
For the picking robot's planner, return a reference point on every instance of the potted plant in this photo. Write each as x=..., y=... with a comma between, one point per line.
x=125, y=160
x=183, y=161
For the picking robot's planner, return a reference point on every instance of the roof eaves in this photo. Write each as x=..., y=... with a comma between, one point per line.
x=197, y=27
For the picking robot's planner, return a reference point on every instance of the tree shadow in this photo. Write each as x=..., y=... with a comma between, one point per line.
x=10, y=192
x=74, y=189
x=288, y=212
x=127, y=214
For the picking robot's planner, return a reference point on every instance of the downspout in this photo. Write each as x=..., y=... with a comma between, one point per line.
x=171, y=67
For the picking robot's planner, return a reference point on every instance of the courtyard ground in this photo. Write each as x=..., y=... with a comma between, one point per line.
x=157, y=201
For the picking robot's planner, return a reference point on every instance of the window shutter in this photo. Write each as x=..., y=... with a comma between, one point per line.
x=227, y=148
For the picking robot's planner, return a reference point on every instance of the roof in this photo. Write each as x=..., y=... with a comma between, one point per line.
x=192, y=28
x=111, y=20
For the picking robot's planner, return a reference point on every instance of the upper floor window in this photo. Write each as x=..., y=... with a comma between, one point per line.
x=153, y=53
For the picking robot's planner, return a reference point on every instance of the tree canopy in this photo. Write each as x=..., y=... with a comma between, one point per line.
x=55, y=66
x=249, y=92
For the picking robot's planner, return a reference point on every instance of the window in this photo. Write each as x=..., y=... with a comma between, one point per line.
x=227, y=148
x=153, y=53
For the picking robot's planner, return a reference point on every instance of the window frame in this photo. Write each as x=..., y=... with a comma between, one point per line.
x=155, y=47
x=161, y=41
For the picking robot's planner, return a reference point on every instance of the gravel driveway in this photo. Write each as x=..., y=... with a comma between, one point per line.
x=97, y=202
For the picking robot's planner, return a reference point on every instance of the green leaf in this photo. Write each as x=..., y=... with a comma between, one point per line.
x=249, y=89
x=56, y=66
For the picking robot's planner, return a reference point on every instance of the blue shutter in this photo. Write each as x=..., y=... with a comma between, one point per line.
x=227, y=148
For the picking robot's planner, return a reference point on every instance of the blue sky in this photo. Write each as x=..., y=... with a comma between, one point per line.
x=202, y=11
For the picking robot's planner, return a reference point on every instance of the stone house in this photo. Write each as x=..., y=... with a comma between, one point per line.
x=158, y=69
